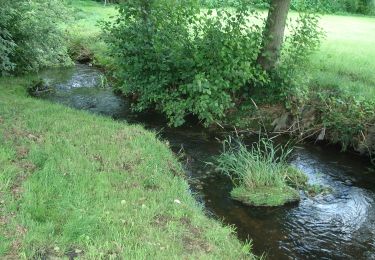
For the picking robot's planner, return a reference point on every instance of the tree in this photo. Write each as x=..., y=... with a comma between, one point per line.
x=31, y=36
x=273, y=34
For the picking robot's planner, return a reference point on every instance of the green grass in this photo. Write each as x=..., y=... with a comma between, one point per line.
x=260, y=173
x=72, y=183
x=85, y=32
x=346, y=59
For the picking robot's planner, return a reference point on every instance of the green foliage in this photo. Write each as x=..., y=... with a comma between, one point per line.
x=233, y=3
x=173, y=57
x=288, y=82
x=346, y=117
x=261, y=174
x=30, y=37
x=335, y=6
x=181, y=60
x=290, y=77
x=263, y=164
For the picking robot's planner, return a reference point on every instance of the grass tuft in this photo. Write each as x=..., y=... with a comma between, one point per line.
x=260, y=173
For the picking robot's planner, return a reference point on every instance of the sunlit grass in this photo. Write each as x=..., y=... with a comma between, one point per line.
x=84, y=30
x=346, y=59
x=76, y=184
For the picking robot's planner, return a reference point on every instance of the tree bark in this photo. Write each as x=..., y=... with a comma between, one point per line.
x=273, y=34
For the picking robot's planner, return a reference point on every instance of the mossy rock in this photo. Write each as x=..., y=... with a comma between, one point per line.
x=266, y=196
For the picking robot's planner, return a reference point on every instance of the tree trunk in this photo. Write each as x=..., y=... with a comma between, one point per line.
x=273, y=34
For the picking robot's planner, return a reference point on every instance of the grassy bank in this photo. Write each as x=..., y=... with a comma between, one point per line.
x=342, y=82
x=340, y=103
x=75, y=184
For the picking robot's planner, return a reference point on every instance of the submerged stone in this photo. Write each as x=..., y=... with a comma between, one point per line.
x=266, y=196
x=39, y=87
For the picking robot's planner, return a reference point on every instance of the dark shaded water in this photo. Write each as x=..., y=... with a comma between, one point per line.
x=336, y=226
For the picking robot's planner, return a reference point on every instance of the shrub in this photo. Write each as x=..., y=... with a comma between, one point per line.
x=288, y=82
x=181, y=61
x=290, y=77
x=347, y=118
x=30, y=37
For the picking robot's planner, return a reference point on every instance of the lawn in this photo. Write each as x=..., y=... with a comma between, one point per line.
x=76, y=184
x=346, y=59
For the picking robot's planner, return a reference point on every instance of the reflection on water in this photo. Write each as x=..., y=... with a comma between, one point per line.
x=340, y=225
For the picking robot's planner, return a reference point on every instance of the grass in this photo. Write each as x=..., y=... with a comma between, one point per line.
x=85, y=32
x=265, y=196
x=76, y=184
x=260, y=173
x=346, y=59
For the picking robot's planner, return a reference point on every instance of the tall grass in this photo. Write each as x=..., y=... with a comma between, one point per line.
x=264, y=164
x=260, y=173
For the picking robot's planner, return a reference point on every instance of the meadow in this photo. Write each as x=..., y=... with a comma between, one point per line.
x=346, y=58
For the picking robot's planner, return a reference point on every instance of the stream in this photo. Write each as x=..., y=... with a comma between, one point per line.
x=340, y=225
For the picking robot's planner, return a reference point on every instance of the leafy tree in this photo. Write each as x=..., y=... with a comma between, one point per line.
x=30, y=35
x=182, y=60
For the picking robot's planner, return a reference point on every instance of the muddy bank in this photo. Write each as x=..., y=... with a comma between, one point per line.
x=316, y=122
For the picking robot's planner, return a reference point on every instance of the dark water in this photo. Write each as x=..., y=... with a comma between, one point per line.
x=336, y=226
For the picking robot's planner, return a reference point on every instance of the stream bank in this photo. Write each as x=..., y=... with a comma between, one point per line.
x=77, y=185
x=340, y=225
x=323, y=119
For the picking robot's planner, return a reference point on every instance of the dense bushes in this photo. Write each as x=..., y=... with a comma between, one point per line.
x=171, y=56
x=181, y=61
x=174, y=57
x=30, y=37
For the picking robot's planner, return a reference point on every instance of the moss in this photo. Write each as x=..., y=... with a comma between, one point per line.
x=265, y=196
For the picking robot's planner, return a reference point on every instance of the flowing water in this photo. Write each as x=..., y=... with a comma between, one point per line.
x=340, y=225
